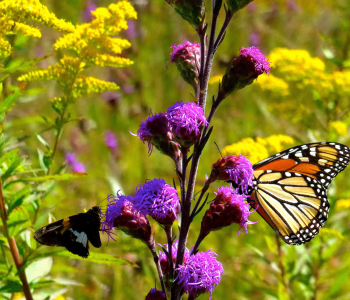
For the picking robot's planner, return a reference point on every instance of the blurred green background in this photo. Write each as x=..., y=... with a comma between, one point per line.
x=256, y=266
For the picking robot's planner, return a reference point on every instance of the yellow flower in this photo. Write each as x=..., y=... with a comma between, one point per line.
x=60, y=297
x=94, y=44
x=253, y=150
x=340, y=127
x=295, y=64
x=342, y=203
x=5, y=48
x=215, y=79
x=259, y=149
x=273, y=84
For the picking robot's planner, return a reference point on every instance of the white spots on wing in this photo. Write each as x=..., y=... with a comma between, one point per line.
x=81, y=237
x=288, y=174
x=337, y=147
x=285, y=157
x=298, y=154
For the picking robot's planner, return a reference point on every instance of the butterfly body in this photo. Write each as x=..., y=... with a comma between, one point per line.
x=74, y=233
x=290, y=188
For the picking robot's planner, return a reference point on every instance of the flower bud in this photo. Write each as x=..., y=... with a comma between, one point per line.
x=192, y=11
x=187, y=59
x=186, y=121
x=154, y=294
x=227, y=208
x=157, y=199
x=156, y=132
x=243, y=70
x=237, y=169
x=120, y=214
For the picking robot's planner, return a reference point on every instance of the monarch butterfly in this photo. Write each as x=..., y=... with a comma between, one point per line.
x=290, y=188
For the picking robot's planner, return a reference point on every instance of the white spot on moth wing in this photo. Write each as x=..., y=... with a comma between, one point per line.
x=81, y=237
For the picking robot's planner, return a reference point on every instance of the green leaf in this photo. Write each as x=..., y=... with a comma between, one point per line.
x=65, y=176
x=39, y=269
x=6, y=104
x=100, y=258
x=12, y=168
x=8, y=156
x=11, y=287
x=25, y=65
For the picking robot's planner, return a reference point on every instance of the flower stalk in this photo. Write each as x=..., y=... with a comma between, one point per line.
x=13, y=248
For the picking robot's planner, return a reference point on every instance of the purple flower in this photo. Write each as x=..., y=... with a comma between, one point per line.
x=238, y=169
x=154, y=130
x=75, y=165
x=186, y=121
x=228, y=207
x=157, y=199
x=154, y=294
x=111, y=140
x=243, y=70
x=87, y=16
x=163, y=258
x=120, y=214
x=131, y=32
x=201, y=274
x=187, y=59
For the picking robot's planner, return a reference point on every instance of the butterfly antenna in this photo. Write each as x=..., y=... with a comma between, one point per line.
x=218, y=149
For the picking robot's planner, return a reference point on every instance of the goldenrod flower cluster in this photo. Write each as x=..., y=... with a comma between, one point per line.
x=14, y=14
x=305, y=87
x=93, y=46
x=340, y=128
x=92, y=41
x=257, y=150
x=342, y=203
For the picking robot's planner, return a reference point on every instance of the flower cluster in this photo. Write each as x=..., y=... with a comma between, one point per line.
x=259, y=149
x=157, y=199
x=237, y=169
x=14, y=15
x=181, y=125
x=244, y=69
x=120, y=214
x=94, y=45
x=228, y=207
x=201, y=273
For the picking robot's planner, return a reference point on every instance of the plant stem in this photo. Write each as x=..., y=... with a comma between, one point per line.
x=222, y=32
x=168, y=232
x=13, y=248
x=281, y=265
x=200, y=238
x=208, y=61
x=152, y=248
x=205, y=188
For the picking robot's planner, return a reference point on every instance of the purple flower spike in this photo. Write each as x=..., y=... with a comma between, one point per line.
x=237, y=169
x=157, y=199
x=163, y=258
x=111, y=139
x=187, y=59
x=75, y=165
x=243, y=70
x=201, y=274
x=154, y=294
x=186, y=121
x=227, y=208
